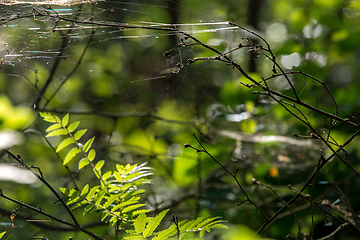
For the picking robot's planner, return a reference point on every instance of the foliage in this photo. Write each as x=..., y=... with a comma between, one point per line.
x=118, y=194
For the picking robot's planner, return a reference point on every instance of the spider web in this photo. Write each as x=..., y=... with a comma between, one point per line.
x=33, y=31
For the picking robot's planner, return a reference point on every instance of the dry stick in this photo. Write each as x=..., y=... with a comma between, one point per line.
x=281, y=199
x=319, y=205
x=265, y=88
x=42, y=179
x=272, y=54
x=57, y=155
x=233, y=176
x=333, y=233
x=320, y=166
x=76, y=225
x=307, y=123
x=50, y=216
x=47, y=226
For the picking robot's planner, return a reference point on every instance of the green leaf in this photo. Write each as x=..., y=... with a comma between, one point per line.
x=85, y=190
x=118, y=177
x=57, y=133
x=70, y=155
x=206, y=221
x=66, y=142
x=48, y=117
x=133, y=207
x=65, y=120
x=111, y=199
x=166, y=233
x=100, y=196
x=99, y=164
x=106, y=175
x=88, y=208
x=53, y=127
x=154, y=223
x=57, y=119
x=92, y=154
x=125, y=203
x=97, y=172
x=92, y=193
x=190, y=225
x=67, y=191
x=79, y=134
x=140, y=222
x=73, y=126
x=87, y=145
x=2, y=234
x=113, y=220
x=104, y=215
x=83, y=162
x=137, y=212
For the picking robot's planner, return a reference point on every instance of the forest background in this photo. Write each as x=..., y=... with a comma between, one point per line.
x=144, y=78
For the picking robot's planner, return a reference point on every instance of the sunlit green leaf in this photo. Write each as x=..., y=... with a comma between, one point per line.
x=68, y=192
x=70, y=155
x=85, y=190
x=48, y=117
x=111, y=199
x=118, y=176
x=150, y=228
x=57, y=132
x=113, y=220
x=66, y=142
x=79, y=134
x=83, y=162
x=92, y=192
x=97, y=173
x=65, y=120
x=105, y=214
x=92, y=154
x=171, y=231
x=53, y=127
x=133, y=207
x=99, y=164
x=140, y=222
x=87, y=145
x=100, y=196
x=73, y=126
x=2, y=234
x=106, y=175
x=88, y=208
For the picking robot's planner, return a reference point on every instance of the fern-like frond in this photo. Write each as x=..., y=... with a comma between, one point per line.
x=154, y=223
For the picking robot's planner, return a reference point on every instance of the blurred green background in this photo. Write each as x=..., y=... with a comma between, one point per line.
x=116, y=91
